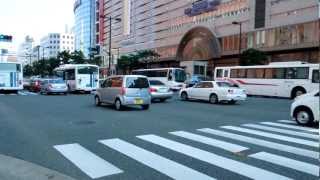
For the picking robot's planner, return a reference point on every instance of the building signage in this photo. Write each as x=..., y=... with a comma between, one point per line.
x=202, y=6
x=77, y=3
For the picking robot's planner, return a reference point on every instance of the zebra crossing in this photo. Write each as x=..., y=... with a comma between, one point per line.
x=20, y=93
x=299, y=144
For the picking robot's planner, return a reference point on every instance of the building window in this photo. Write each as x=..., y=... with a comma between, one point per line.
x=260, y=14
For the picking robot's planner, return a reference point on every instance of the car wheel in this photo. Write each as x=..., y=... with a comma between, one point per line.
x=118, y=105
x=213, y=99
x=97, y=101
x=232, y=102
x=145, y=107
x=304, y=116
x=184, y=96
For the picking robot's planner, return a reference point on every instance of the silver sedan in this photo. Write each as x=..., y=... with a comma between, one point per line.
x=159, y=91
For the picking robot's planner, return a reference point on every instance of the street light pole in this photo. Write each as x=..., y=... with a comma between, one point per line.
x=240, y=35
x=110, y=41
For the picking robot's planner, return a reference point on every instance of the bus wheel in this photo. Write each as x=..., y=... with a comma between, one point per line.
x=297, y=92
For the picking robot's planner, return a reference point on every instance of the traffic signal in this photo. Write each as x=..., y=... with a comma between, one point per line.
x=5, y=38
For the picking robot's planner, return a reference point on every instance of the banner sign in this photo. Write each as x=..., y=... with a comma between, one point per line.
x=202, y=6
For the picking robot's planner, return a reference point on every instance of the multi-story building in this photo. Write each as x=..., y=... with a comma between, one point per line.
x=25, y=50
x=85, y=23
x=54, y=43
x=203, y=34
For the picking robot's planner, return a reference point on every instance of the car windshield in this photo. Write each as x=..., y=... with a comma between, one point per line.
x=226, y=84
x=156, y=83
x=137, y=82
x=180, y=75
x=56, y=81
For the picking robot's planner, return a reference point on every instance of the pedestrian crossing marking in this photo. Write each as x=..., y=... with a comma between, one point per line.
x=287, y=162
x=287, y=121
x=154, y=161
x=210, y=141
x=264, y=143
x=216, y=160
x=86, y=161
x=283, y=131
x=273, y=136
x=291, y=126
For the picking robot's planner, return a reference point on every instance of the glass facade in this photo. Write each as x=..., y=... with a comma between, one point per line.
x=84, y=31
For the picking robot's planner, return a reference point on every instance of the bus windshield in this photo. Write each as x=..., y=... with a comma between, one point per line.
x=179, y=75
x=87, y=70
x=10, y=67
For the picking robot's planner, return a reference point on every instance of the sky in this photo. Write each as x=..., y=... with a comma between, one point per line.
x=34, y=17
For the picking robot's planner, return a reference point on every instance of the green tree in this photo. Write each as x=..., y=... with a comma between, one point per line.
x=78, y=57
x=64, y=56
x=52, y=63
x=253, y=57
x=27, y=70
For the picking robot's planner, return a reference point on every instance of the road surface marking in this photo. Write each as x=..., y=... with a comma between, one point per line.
x=291, y=126
x=283, y=131
x=259, y=142
x=154, y=161
x=210, y=141
x=287, y=121
x=273, y=136
x=219, y=161
x=287, y=162
x=86, y=161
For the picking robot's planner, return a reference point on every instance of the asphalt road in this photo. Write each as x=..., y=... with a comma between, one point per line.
x=64, y=133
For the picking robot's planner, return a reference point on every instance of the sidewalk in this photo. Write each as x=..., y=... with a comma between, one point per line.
x=15, y=169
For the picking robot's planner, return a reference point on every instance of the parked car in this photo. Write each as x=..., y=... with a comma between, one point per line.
x=194, y=79
x=26, y=84
x=214, y=92
x=51, y=86
x=159, y=91
x=124, y=90
x=35, y=85
x=305, y=109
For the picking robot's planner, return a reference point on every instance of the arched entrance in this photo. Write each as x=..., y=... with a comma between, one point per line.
x=197, y=49
x=198, y=44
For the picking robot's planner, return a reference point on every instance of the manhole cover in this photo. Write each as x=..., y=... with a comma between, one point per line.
x=83, y=122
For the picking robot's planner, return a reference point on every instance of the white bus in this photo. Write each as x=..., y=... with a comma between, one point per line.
x=79, y=77
x=11, y=77
x=281, y=79
x=172, y=77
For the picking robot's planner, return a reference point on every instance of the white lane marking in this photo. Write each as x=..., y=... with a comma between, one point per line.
x=86, y=161
x=259, y=142
x=291, y=126
x=210, y=141
x=287, y=162
x=159, y=163
x=273, y=136
x=283, y=131
x=288, y=121
x=219, y=161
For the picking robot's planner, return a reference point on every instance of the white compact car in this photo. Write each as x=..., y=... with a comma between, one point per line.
x=214, y=92
x=305, y=108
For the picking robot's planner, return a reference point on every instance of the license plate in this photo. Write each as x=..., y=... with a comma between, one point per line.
x=138, y=101
x=163, y=90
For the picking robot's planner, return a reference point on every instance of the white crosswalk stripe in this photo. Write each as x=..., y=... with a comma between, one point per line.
x=287, y=162
x=287, y=121
x=264, y=143
x=283, y=131
x=291, y=127
x=161, y=164
x=273, y=136
x=86, y=161
x=219, y=161
x=210, y=141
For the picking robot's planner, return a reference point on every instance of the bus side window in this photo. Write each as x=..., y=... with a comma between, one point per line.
x=219, y=73
x=170, y=75
x=226, y=73
x=315, y=76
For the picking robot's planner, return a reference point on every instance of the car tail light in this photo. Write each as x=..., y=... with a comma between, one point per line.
x=122, y=91
x=230, y=91
x=152, y=90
